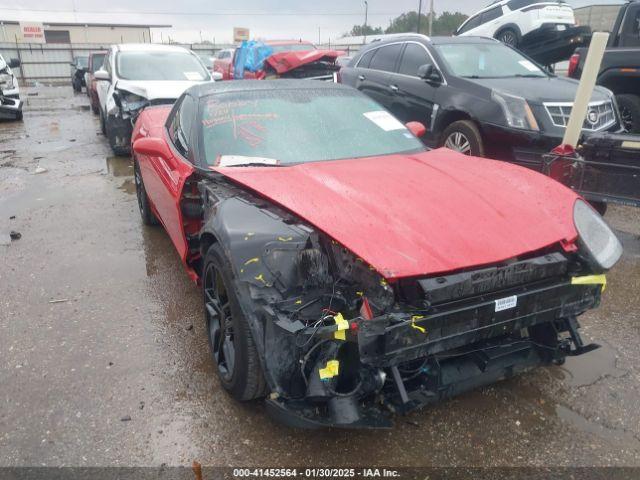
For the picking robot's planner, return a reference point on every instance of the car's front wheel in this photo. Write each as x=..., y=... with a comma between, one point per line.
x=116, y=147
x=148, y=217
x=463, y=136
x=232, y=347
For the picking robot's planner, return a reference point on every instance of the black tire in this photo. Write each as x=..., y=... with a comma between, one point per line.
x=103, y=126
x=240, y=374
x=117, y=150
x=460, y=134
x=148, y=217
x=600, y=207
x=95, y=110
x=508, y=36
x=629, y=111
x=19, y=116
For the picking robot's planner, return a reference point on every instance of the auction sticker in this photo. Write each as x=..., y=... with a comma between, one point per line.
x=506, y=303
x=384, y=120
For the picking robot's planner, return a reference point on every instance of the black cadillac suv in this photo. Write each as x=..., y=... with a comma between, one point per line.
x=475, y=95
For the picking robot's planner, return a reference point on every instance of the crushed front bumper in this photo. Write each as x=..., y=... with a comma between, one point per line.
x=10, y=108
x=458, y=346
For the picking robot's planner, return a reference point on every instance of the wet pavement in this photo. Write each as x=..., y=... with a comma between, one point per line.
x=104, y=358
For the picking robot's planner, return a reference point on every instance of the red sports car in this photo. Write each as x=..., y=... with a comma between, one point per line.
x=346, y=270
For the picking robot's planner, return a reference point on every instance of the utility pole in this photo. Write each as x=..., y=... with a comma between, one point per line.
x=319, y=42
x=366, y=14
x=419, y=10
x=431, y=19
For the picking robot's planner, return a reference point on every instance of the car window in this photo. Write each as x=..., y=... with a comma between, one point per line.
x=107, y=63
x=472, y=23
x=517, y=4
x=414, y=57
x=385, y=58
x=96, y=61
x=289, y=126
x=365, y=60
x=492, y=14
x=487, y=60
x=160, y=65
x=181, y=125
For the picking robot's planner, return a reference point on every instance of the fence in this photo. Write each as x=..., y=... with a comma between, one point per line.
x=50, y=63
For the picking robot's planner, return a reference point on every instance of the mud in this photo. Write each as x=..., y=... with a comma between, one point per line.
x=99, y=322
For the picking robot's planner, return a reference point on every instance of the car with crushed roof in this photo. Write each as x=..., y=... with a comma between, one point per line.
x=347, y=271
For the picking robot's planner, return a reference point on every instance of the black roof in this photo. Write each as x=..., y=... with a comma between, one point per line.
x=468, y=40
x=213, y=88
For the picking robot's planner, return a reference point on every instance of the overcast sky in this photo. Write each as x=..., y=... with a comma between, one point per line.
x=216, y=18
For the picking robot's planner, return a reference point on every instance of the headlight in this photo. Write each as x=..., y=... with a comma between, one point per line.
x=130, y=101
x=596, y=238
x=516, y=111
x=6, y=81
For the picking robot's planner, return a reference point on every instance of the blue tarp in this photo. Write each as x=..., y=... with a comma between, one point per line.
x=251, y=56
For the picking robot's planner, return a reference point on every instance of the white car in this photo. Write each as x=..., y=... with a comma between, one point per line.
x=510, y=20
x=134, y=76
x=10, y=103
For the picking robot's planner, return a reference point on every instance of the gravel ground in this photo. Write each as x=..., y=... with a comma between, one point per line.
x=104, y=358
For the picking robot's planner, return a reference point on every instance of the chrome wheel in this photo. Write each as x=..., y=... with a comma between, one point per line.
x=508, y=38
x=219, y=322
x=458, y=142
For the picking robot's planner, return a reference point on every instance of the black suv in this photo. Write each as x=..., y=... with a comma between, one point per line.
x=475, y=95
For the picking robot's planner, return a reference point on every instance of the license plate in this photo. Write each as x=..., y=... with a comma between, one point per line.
x=506, y=303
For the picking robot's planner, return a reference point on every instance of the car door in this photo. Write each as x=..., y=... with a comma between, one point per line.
x=413, y=97
x=165, y=177
x=373, y=72
x=490, y=21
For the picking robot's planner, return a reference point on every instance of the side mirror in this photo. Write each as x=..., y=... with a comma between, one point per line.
x=152, y=147
x=14, y=63
x=429, y=74
x=216, y=76
x=102, y=75
x=417, y=128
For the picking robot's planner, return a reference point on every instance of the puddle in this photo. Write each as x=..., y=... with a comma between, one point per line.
x=128, y=186
x=588, y=369
x=120, y=166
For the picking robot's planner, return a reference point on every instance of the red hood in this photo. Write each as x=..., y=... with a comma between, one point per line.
x=423, y=214
x=286, y=61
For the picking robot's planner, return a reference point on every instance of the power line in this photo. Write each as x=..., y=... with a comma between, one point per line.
x=198, y=14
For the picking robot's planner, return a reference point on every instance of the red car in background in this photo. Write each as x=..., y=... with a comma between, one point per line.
x=96, y=59
x=290, y=59
x=347, y=271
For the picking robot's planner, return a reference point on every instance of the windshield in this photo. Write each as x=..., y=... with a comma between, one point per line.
x=293, y=47
x=174, y=66
x=97, y=61
x=487, y=61
x=297, y=126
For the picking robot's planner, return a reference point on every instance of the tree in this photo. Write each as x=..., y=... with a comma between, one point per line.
x=444, y=24
x=359, y=30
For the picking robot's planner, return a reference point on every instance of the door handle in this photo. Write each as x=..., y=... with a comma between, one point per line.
x=394, y=88
x=360, y=77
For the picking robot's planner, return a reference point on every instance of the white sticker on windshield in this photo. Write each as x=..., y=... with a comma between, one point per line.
x=384, y=120
x=193, y=76
x=529, y=66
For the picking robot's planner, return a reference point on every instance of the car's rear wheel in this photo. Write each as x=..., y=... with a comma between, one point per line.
x=463, y=136
x=508, y=36
x=233, y=350
x=103, y=126
x=148, y=217
x=629, y=112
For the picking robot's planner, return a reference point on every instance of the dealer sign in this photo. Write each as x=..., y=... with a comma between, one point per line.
x=32, y=32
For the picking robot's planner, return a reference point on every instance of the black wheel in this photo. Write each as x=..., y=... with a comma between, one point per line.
x=117, y=150
x=508, y=36
x=600, y=207
x=95, y=110
x=463, y=136
x=148, y=217
x=629, y=112
x=233, y=350
x=103, y=126
x=19, y=116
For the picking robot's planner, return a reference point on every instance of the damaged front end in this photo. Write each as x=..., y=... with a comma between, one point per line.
x=341, y=346
x=10, y=108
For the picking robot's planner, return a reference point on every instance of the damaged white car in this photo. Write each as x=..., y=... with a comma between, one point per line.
x=134, y=76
